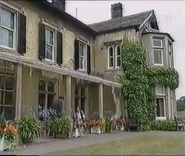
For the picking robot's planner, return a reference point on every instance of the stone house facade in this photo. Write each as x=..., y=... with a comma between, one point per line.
x=46, y=53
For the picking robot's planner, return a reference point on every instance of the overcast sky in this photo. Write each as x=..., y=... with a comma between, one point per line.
x=170, y=15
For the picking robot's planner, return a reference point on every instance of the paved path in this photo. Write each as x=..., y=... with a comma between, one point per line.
x=90, y=139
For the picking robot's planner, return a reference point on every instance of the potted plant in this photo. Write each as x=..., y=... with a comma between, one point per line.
x=78, y=128
x=108, y=125
x=120, y=124
x=29, y=129
x=9, y=138
x=60, y=126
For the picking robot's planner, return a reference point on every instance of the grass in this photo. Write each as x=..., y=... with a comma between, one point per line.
x=137, y=145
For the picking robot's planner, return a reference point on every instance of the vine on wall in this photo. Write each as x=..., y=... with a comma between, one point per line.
x=139, y=82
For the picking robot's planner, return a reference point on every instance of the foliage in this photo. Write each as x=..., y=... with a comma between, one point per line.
x=30, y=127
x=169, y=125
x=108, y=124
x=139, y=82
x=9, y=133
x=60, y=125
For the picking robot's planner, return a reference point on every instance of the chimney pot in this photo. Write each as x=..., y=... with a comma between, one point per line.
x=116, y=10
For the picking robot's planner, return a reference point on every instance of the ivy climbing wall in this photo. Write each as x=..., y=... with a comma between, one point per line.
x=139, y=82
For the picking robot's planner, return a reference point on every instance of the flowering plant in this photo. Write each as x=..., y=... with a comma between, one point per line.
x=120, y=121
x=46, y=114
x=95, y=123
x=9, y=133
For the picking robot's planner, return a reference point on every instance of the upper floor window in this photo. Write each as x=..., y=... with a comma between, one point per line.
x=82, y=56
x=114, y=56
x=158, y=52
x=49, y=43
x=8, y=28
x=170, y=49
x=12, y=29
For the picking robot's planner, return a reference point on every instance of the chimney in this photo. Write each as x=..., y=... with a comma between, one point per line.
x=116, y=10
x=59, y=4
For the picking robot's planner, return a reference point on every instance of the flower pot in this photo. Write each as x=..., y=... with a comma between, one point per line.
x=76, y=133
x=92, y=130
x=3, y=144
x=27, y=140
x=122, y=128
x=98, y=130
x=81, y=131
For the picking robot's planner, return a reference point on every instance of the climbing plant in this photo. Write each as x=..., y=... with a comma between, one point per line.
x=139, y=82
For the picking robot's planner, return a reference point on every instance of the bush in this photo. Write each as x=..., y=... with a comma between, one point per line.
x=168, y=125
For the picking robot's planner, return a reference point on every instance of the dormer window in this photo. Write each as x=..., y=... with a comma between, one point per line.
x=158, y=52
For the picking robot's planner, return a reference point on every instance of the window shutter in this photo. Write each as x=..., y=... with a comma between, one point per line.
x=76, y=54
x=42, y=37
x=22, y=34
x=59, y=47
x=88, y=59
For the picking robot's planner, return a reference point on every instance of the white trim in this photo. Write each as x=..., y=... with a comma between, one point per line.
x=162, y=58
x=164, y=102
x=145, y=20
x=116, y=56
x=108, y=57
x=56, y=69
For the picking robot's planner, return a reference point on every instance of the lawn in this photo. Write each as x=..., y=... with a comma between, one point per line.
x=137, y=145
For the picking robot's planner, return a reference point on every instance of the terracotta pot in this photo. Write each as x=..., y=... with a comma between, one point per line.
x=27, y=140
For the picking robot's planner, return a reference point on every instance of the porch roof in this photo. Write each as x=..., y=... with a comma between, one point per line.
x=56, y=69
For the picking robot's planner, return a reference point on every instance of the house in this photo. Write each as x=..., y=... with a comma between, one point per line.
x=45, y=53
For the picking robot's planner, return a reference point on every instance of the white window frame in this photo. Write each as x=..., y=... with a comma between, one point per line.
x=84, y=56
x=158, y=40
x=108, y=57
x=162, y=118
x=117, y=56
x=15, y=26
x=54, y=46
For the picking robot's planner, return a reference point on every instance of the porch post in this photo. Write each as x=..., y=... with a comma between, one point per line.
x=101, y=100
x=69, y=101
x=18, y=93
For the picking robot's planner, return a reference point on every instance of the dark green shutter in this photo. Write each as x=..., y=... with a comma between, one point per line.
x=76, y=54
x=59, y=48
x=42, y=39
x=22, y=34
x=88, y=59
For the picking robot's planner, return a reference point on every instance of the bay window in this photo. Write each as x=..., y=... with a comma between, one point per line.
x=158, y=52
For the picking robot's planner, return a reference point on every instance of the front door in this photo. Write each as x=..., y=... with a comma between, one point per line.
x=80, y=98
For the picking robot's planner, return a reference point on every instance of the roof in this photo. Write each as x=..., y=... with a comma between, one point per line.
x=133, y=20
x=160, y=33
x=52, y=9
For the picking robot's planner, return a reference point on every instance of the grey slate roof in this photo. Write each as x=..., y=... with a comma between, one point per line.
x=121, y=22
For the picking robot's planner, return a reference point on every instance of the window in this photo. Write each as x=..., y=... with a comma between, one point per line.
x=114, y=57
x=170, y=49
x=160, y=109
x=8, y=28
x=160, y=90
x=110, y=57
x=80, y=98
x=118, y=56
x=46, y=94
x=7, y=90
x=158, y=52
x=50, y=44
x=82, y=56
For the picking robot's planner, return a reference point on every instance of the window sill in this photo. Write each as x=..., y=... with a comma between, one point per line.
x=49, y=62
x=82, y=71
x=159, y=65
x=8, y=50
x=113, y=69
x=160, y=119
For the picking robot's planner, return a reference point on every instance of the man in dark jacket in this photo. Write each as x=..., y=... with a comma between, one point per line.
x=58, y=106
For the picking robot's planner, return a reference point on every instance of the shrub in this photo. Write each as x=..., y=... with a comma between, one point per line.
x=168, y=125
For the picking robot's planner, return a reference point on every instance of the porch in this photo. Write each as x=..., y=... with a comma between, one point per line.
x=35, y=83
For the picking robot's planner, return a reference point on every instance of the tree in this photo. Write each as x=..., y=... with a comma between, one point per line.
x=181, y=104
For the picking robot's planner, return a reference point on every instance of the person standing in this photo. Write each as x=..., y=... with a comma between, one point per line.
x=58, y=106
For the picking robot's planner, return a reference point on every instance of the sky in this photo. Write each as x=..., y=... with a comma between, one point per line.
x=170, y=15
